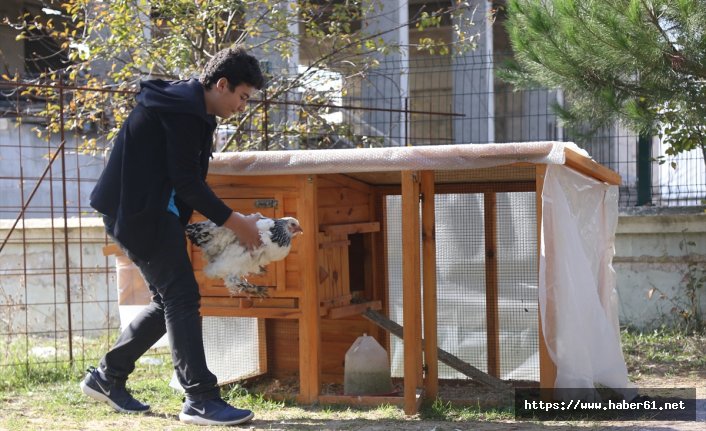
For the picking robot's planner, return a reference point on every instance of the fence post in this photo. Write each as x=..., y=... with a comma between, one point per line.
x=406, y=122
x=266, y=107
x=644, y=169
x=66, y=223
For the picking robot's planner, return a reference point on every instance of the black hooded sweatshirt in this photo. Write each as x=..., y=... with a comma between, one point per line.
x=164, y=145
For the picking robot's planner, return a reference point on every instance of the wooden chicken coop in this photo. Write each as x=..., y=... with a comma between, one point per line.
x=347, y=202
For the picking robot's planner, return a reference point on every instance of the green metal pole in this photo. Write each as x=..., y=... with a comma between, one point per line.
x=644, y=170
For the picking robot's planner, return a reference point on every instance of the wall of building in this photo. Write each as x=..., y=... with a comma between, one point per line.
x=652, y=264
x=24, y=156
x=33, y=278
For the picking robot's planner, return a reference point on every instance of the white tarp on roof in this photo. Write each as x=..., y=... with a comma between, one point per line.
x=432, y=157
x=579, y=216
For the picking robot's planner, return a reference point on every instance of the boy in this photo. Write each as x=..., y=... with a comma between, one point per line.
x=153, y=181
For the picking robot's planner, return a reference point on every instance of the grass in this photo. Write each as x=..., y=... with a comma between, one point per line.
x=36, y=395
x=53, y=401
x=20, y=367
x=445, y=411
x=664, y=352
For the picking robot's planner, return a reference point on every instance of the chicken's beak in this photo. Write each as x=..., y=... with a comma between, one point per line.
x=297, y=230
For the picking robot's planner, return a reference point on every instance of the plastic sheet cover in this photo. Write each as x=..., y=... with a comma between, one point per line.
x=577, y=295
x=432, y=157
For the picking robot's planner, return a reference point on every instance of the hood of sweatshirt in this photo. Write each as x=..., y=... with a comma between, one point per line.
x=175, y=96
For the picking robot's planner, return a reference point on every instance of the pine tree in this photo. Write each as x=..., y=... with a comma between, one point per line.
x=639, y=61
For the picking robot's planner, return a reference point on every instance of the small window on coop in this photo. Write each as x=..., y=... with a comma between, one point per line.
x=359, y=267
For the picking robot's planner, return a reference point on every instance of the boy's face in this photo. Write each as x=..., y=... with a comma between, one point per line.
x=225, y=103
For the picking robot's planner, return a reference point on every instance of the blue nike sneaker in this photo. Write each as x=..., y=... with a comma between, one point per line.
x=110, y=392
x=213, y=412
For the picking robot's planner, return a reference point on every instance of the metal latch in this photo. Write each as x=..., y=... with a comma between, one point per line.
x=266, y=203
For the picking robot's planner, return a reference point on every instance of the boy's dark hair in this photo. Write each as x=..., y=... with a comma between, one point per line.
x=234, y=64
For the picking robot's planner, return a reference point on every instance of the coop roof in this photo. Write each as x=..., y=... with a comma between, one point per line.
x=436, y=157
x=378, y=161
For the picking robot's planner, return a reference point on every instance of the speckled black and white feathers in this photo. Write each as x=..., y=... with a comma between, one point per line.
x=229, y=260
x=280, y=232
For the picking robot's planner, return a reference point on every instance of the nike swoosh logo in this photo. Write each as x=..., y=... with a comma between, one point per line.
x=202, y=411
x=107, y=393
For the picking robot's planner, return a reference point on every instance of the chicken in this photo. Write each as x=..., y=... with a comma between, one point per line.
x=232, y=262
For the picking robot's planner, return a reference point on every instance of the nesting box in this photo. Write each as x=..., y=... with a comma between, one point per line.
x=415, y=233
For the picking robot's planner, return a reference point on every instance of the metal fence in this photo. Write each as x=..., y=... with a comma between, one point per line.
x=442, y=100
x=57, y=289
x=493, y=111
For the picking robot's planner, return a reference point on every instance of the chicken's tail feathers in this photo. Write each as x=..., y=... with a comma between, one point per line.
x=200, y=233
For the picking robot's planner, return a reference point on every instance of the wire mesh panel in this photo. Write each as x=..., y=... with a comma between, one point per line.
x=517, y=286
x=461, y=279
x=232, y=347
x=393, y=229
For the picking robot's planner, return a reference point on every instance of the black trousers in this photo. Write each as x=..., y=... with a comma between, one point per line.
x=174, y=309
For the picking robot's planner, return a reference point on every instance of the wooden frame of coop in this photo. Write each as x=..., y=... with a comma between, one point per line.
x=335, y=271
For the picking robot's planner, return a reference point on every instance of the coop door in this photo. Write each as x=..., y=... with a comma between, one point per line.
x=216, y=287
x=462, y=280
x=334, y=279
